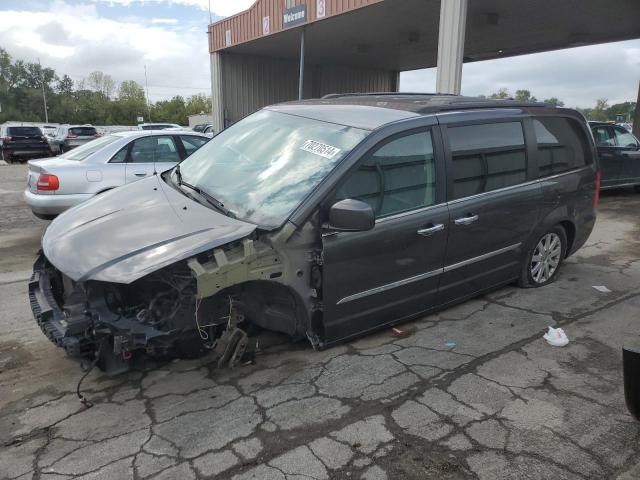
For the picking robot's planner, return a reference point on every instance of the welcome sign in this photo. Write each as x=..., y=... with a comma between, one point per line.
x=294, y=16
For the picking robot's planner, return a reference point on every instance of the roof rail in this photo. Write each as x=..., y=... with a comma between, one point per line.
x=387, y=94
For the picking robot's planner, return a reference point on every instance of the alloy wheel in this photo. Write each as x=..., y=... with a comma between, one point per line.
x=546, y=258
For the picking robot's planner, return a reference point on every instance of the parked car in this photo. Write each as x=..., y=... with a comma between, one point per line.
x=208, y=130
x=201, y=127
x=49, y=130
x=56, y=184
x=321, y=219
x=20, y=142
x=619, y=152
x=631, y=375
x=158, y=126
x=68, y=137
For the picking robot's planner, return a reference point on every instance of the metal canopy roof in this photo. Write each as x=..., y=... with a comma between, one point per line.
x=403, y=34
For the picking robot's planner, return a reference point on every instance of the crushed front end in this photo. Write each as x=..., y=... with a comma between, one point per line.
x=110, y=323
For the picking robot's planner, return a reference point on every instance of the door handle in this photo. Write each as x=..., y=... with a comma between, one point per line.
x=425, y=232
x=140, y=174
x=466, y=220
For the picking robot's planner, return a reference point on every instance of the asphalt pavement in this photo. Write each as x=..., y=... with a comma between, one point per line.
x=472, y=392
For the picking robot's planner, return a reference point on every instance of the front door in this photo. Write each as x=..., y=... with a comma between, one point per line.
x=627, y=153
x=610, y=161
x=151, y=154
x=493, y=207
x=392, y=271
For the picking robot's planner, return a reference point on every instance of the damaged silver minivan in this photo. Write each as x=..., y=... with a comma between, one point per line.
x=320, y=219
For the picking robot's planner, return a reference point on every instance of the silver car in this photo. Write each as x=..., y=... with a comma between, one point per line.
x=68, y=137
x=56, y=184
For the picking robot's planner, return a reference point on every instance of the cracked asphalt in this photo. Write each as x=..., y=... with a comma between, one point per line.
x=472, y=392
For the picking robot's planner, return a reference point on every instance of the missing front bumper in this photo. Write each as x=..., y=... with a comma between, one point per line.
x=52, y=320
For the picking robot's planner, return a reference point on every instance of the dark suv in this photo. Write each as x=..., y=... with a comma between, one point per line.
x=322, y=219
x=22, y=142
x=619, y=153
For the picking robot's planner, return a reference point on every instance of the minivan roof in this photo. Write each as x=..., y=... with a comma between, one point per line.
x=377, y=106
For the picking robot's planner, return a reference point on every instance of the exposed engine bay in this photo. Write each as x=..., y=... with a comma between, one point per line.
x=218, y=301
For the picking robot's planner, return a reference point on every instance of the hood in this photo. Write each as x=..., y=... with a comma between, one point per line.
x=127, y=233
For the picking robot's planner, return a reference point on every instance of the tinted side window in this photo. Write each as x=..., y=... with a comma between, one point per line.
x=603, y=136
x=83, y=131
x=561, y=145
x=624, y=138
x=487, y=157
x=191, y=144
x=121, y=156
x=154, y=149
x=396, y=177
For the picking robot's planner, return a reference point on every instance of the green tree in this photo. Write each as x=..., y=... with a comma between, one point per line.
x=600, y=110
x=525, y=96
x=65, y=85
x=554, y=101
x=501, y=94
x=131, y=103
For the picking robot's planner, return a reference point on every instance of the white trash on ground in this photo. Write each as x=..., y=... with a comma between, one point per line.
x=556, y=337
x=602, y=288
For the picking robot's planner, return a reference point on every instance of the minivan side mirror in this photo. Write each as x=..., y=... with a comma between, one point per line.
x=351, y=216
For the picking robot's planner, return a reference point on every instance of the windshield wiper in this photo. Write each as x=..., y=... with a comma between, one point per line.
x=210, y=199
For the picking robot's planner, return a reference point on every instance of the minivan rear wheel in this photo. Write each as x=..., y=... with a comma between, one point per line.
x=544, y=258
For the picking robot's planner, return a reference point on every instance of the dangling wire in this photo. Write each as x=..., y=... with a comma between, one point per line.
x=85, y=401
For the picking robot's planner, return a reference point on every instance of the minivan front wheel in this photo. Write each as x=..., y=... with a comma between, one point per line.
x=544, y=258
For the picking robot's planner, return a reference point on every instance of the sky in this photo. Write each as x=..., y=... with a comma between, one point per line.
x=120, y=37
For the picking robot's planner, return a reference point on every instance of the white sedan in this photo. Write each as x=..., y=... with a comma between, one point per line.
x=56, y=184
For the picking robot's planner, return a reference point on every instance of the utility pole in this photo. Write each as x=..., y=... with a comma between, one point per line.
x=44, y=95
x=146, y=83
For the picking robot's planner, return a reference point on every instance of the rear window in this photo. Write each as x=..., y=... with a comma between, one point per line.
x=83, y=131
x=24, y=132
x=487, y=157
x=156, y=127
x=89, y=148
x=562, y=145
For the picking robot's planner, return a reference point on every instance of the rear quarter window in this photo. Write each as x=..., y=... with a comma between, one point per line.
x=487, y=157
x=561, y=145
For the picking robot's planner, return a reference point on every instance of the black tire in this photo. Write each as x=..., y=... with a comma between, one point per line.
x=637, y=188
x=529, y=277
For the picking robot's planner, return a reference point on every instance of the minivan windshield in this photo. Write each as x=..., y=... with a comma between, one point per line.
x=89, y=148
x=262, y=167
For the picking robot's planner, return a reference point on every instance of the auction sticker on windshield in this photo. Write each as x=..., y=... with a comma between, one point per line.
x=322, y=149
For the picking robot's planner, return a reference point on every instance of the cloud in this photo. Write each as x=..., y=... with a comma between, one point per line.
x=164, y=21
x=77, y=42
x=222, y=8
x=54, y=33
x=577, y=76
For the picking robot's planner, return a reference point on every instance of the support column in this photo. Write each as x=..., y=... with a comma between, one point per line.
x=217, y=97
x=453, y=22
x=301, y=76
x=636, y=116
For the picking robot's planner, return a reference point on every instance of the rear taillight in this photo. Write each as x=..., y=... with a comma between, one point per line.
x=97, y=135
x=48, y=182
x=72, y=135
x=6, y=139
x=596, y=196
